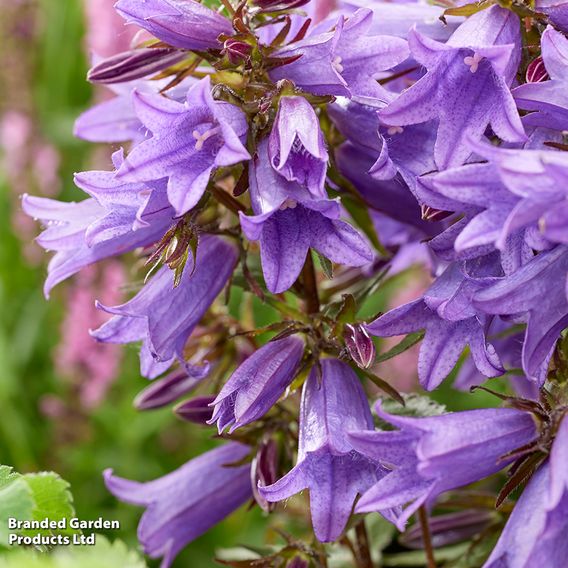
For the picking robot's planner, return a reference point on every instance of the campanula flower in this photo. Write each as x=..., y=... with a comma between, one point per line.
x=535, y=533
x=180, y=23
x=327, y=465
x=343, y=61
x=117, y=218
x=537, y=290
x=257, y=383
x=428, y=456
x=184, y=504
x=163, y=316
x=447, y=313
x=296, y=146
x=467, y=85
x=188, y=141
x=288, y=221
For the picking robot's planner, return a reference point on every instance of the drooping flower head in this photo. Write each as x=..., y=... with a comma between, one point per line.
x=327, y=465
x=428, y=456
x=163, y=316
x=184, y=504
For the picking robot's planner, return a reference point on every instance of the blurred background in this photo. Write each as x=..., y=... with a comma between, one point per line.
x=66, y=402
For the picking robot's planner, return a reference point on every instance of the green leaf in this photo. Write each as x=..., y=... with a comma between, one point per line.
x=16, y=502
x=468, y=9
x=414, y=405
x=7, y=475
x=385, y=386
x=52, y=500
x=326, y=265
x=104, y=553
x=410, y=340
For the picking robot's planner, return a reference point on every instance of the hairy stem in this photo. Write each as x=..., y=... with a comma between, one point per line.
x=363, y=545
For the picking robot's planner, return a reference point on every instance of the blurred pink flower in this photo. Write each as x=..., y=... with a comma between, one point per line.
x=106, y=31
x=90, y=365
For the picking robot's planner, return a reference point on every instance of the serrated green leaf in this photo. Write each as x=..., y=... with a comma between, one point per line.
x=104, y=553
x=52, y=500
x=16, y=502
x=416, y=405
x=7, y=475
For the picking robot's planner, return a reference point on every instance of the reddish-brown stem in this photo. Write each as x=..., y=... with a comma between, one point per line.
x=310, y=285
x=426, y=537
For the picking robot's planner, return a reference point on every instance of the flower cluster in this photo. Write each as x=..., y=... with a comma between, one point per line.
x=305, y=158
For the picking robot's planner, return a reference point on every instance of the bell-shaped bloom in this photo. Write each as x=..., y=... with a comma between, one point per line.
x=257, y=383
x=557, y=12
x=394, y=150
x=549, y=98
x=518, y=193
x=288, y=220
x=180, y=23
x=537, y=290
x=163, y=316
x=343, y=61
x=115, y=120
x=535, y=534
x=397, y=18
x=428, y=456
x=186, y=503
x=509, y=346
x=327, y=465
x=467, y=85
x=451, y=321
x=188, y=141
x=296, y=145
x=116, y=219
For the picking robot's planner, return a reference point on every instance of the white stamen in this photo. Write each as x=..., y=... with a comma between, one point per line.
x=473, y=61
x=336, y=64
x=392, y=130
x=288, y=204
x=202, y=138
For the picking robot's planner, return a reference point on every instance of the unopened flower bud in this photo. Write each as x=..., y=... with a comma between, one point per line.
x=196, y=410
x=166, y=390
x=449, y=529
x=278, y=5
x=236, y=50
x=536, y=71
x=134, y=64
x=360, y=345
x=264, y=470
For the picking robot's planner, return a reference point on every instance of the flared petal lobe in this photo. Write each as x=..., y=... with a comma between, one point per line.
x=186, y=503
